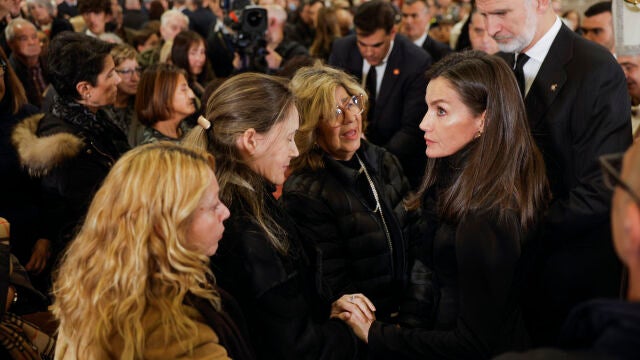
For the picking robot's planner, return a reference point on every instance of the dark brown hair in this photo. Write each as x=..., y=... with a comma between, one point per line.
x=327, y=30
x=374, y=15
x=503, y=169
x=154, y=101
x=180, y=55
x=95, y=6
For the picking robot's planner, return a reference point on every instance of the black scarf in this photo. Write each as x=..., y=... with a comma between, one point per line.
x=96, y=125
x=79, y=116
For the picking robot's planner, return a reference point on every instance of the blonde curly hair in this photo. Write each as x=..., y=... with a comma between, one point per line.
x=131, y=254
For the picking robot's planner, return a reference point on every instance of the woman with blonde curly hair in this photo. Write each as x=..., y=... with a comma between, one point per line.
x=135, y=282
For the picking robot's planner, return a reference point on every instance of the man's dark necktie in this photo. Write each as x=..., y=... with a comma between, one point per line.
x=517, y=69
x=371, y=89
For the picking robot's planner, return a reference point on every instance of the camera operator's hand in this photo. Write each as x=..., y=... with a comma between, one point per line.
x=237, y=62
x=274, y=60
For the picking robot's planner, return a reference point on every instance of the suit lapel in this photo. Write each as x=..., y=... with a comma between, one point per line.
x=391, y=73
x=355, y=60
x=550, y=79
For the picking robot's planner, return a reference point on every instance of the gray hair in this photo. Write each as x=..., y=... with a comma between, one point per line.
x=48, y=4
x=171, y=14
x=10, y=32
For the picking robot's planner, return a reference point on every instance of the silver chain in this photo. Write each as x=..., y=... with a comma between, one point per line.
x=378, y=208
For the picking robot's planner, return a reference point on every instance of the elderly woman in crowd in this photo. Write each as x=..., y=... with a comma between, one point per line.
x=163, y=103
x=44, y=17
x=73, y=146
x=122, y=112
x=135, y=283
x=483, y=192
x=252, y=121
x=345, y=193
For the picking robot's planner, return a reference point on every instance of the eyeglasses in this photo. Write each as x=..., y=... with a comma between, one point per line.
x=354, y=105
x=129, y=72
x=611, y=169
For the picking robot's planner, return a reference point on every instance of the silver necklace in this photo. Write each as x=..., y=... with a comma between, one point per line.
x=378, y=208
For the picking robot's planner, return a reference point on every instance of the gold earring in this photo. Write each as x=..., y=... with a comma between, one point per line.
x=478, y=134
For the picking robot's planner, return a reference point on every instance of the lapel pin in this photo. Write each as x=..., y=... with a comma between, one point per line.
x=396, y=71
x=554, y=87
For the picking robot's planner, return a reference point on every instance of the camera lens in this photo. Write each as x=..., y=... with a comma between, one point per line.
x=254, y=19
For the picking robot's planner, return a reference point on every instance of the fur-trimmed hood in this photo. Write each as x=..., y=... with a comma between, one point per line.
x=39, y=155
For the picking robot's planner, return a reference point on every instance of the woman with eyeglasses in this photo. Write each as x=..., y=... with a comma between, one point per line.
x=482, y=195
x=263, y=260
x=122, y=111
x=345, y=193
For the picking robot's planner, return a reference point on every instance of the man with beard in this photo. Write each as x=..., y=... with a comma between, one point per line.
x=577, y=107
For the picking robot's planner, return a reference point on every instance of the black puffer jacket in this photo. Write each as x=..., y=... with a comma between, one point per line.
x=71, y=163
x=278, y=293
x=333, y=208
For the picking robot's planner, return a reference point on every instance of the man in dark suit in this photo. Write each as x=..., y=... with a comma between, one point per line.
x=577, y=109
x=415, y=22
x=392, y=70
x=26, y=59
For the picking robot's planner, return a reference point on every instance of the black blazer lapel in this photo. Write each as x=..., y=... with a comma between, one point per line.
x=392, y=72
x=550, y=79
x=355, y=61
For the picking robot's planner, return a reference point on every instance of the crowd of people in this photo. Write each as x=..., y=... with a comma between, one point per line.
x=317, y=180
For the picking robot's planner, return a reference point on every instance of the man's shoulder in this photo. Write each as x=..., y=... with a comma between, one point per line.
x=345, y=42
x=582, y=52
x=409, y=53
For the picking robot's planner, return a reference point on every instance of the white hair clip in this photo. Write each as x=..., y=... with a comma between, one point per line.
x=202, y=121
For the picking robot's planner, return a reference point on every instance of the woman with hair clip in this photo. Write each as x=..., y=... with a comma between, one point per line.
x=135, y=283
x=483, y=192
x=252, y=121
x=345, y=193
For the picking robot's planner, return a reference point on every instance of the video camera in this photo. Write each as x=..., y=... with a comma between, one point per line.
x=249, y=25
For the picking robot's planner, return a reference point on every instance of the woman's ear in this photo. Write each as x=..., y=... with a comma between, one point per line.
x=480, y=122
x=246, y=142
x=84, y=89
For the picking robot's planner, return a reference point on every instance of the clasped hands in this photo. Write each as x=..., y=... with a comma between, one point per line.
x=357, y=311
